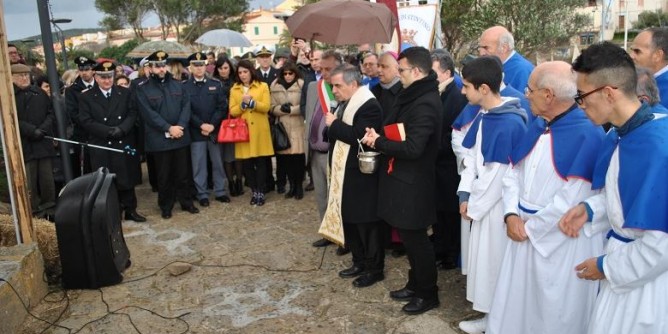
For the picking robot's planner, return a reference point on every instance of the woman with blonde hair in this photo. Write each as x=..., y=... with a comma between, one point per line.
x=249, y=99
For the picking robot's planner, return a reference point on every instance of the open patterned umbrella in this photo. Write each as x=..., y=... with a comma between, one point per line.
x=342, y=22
x=223, y=38
x=173, y=49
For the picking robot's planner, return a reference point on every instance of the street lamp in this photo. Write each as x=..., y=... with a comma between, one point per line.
x=62, y=38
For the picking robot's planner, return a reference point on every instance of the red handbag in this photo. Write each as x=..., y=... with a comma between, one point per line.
x=233, y=130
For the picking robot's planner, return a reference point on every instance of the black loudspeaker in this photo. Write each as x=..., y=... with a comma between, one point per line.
x=92, y=248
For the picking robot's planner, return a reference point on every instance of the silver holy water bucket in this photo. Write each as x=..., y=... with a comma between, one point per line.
x=368, y=161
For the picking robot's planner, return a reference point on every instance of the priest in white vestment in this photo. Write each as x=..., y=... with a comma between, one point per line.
x=632, y=164
x=552, y=170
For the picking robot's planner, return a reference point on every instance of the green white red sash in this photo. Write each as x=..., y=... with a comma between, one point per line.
x=325, y=95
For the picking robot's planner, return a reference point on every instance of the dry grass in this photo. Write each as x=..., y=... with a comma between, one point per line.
x=45, y=234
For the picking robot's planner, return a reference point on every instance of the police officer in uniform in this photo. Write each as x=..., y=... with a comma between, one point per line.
x=207, y=103
x=85, y=81
x=107, y=112
x=165, y=109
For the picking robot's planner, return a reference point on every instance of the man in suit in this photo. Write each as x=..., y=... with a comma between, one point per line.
x=407, y=180
x=317, y=105
x=108, y=114
x=165, y=109
x=446, y=236
x=353, y=195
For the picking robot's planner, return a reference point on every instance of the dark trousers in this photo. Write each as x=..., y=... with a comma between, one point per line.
x=365, y=241
x=150, y=169
x=447, y=236
x=268, y=170
x=128, y=199
x=422, y=275
x=255, y=170
x=39, y=173
x=292, y=166
x=80, y=161
x=173, y=178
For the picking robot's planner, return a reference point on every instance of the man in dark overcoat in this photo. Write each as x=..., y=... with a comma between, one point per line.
x=107, y=112
x=84, y=81
x=354, y=200
x=408, y=173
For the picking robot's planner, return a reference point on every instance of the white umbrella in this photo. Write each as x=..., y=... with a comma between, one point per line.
x=223, y=37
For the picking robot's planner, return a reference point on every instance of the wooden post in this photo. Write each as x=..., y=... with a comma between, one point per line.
x=18, y=187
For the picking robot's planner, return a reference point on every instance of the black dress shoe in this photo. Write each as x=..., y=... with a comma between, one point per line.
x=223, y=199
x=309, y=187
x=368, y=280
x=353, y=271
x=341, y=251
x=192, y=209
x=133, y=215
x=321, y=243
x=204, y=202
x=419, y=305
x=166, y=214
x=280, y=189
x=446, y=265
x=404, y=294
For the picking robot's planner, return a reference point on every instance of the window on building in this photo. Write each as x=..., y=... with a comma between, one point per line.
x=257, y=30
x=621, y=22
x=275, y=30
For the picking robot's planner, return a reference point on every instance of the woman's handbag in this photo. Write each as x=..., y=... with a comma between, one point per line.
x=279, y=137
x=233, y=130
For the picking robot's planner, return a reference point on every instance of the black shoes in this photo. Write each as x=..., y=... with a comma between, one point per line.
x=257, y=199
x=353, y=271
x=341, y=251
x=204, y=202
x=321, y=243
x=368, y=279
x=419, y=305
x=299, y=191
x=280, y=188
x=446, y=264
x=404, y=294
x=192, y=209
x=166, y=214
x=223, y=199
x=133, y=215
x=291, y=192
x=309, y=186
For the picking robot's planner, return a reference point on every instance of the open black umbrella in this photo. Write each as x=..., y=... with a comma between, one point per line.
x=342, y=22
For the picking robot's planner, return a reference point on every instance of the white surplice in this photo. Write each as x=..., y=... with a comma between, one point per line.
x=634, y=295
x=537, y=289
x=488, y=232
x=465, y=230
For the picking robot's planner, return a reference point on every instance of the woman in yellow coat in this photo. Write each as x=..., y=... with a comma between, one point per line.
x=249, y=99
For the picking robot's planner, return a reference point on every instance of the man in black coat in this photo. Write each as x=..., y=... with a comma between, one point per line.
x=108, y=114
x=85, y=81
x=409, y=148
x=352, y=194
x=165, y=109
x=447, y=235
x=36, y=119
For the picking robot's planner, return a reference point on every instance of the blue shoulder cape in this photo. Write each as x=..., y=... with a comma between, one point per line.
x=470, y=111
x=516, y=71
x=502, y=132
x=575, y=144
x=643, y=172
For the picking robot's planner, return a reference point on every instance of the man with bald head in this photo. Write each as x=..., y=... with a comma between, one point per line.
x=552, y=170
x=389, y=84
x=650, y=49
x=498, y=41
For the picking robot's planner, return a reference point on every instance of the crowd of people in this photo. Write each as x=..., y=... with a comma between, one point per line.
x=558, y=226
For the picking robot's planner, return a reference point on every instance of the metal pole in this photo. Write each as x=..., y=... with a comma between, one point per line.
x=626, y=24
x=66, y=66
x=50, y=59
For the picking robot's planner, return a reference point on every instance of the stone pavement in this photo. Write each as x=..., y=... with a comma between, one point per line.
x=245, y=270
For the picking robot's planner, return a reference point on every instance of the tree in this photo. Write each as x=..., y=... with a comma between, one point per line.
x=110, y=23
x=537, y=25
x=648, y=19
x=118, y=52
x=126, y=12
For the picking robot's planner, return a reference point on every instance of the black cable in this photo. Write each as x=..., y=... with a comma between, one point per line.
x=116, y=312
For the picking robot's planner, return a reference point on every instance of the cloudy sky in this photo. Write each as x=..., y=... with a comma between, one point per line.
x=22, y=20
